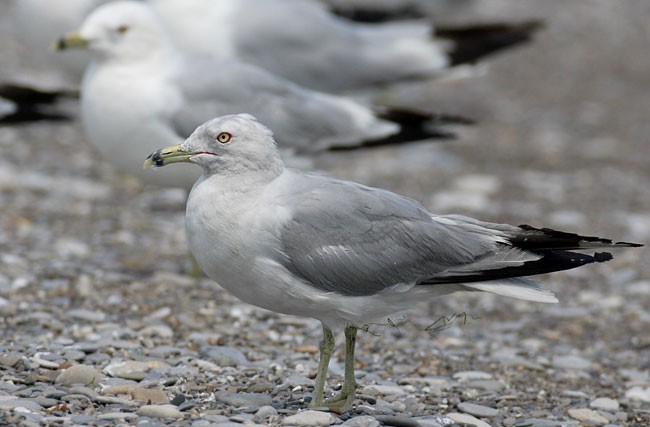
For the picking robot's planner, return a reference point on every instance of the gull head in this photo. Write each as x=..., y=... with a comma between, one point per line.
x=230, y=144
x=118, y=30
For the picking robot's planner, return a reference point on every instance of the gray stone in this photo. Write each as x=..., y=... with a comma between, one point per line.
x=14, y=404
x=571, y=362
x=160, y=411
x=362, y=421
x=638, y=393
x=79, y=374
x=604, y=403
x=396, y=421
x=251, y=400
x=588, y=415
x=117, y=416
x=478, y=410
x=467, y=419
x=472, y=375
x=87, y=315
x=224, y=356
x=45, y=401
x=265, y=412
x=310, y=418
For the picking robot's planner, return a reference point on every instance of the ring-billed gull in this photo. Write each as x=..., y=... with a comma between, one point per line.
x=139, y=90
x=341, y=252
x=307, y=44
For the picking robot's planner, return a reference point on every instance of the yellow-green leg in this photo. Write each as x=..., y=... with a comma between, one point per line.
x=326, y=349
x=342, y=401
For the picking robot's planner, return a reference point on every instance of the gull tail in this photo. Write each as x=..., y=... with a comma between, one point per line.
x=29, y=104
x=471, y=43
x=413, y=126
x=527, y=251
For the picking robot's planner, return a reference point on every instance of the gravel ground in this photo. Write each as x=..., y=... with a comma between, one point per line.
x=101, y=325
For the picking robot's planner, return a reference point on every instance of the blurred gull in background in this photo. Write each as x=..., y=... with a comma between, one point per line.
x=304, y=43
x=139, y=92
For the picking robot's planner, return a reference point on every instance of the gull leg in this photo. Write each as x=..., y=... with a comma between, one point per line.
x=326, y=349
x=343, y=401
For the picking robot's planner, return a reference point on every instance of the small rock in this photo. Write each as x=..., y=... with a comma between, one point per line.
x=16, y=404
x=362, y=421
x=133, y=370
x=472, y=375
x=87, y=315
x=387, y=390
x=265, y=412
x=224, y=356
x=151, y=395
x=260, y=387
x=117, y=416
x=571, y=362
x=160, y=411
x=83, y=419
x=79, y=374
x=604, y=403
x=310, y=419
x=45, y=402
x=255, y=400
x=588, y=415
x=478, y=410
x=638, y=393
x=397, y=421
x=467, y=419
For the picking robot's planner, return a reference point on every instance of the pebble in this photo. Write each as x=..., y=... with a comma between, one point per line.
x=160, y=411
x=133, y=370
x=385, y=390
x=638, y=393
x=467, y=419
x=588, y=415
x=362, y=421
x=471, y=375
x=266, y=411
x=87, y=315
x=79, y=374
x=224, y=356
x=16, y=404
x=571, y=362
x=254, y=400
x=396, y=421
x=117, y=416
x=604, y=403
x=310, y=418
x=478, y=410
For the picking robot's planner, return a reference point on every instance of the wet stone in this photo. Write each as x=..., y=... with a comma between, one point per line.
x=252, y=400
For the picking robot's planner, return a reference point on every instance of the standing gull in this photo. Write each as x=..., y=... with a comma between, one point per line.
x=140, y=91
x=341, y=252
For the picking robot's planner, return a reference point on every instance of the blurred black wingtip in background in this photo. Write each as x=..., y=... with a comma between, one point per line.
x=414, y=126
x=474, y=41
x=27, y=104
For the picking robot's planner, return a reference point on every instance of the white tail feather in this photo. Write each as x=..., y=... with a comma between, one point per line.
x=520, y=288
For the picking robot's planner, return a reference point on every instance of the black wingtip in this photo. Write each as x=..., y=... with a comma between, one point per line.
x=474, y=42
x=33, y=104
x=414, y=126
x=532, y=238
x=373, y=15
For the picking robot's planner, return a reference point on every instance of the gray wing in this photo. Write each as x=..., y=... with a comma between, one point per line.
x=300, y=118
x=356, y=240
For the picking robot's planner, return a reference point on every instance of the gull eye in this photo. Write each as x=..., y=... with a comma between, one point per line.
x=122, y=29
x=224, y=137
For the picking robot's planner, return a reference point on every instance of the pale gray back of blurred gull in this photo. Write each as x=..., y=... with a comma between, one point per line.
x=301, y=40
x=344, y=253
x=140, y=92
